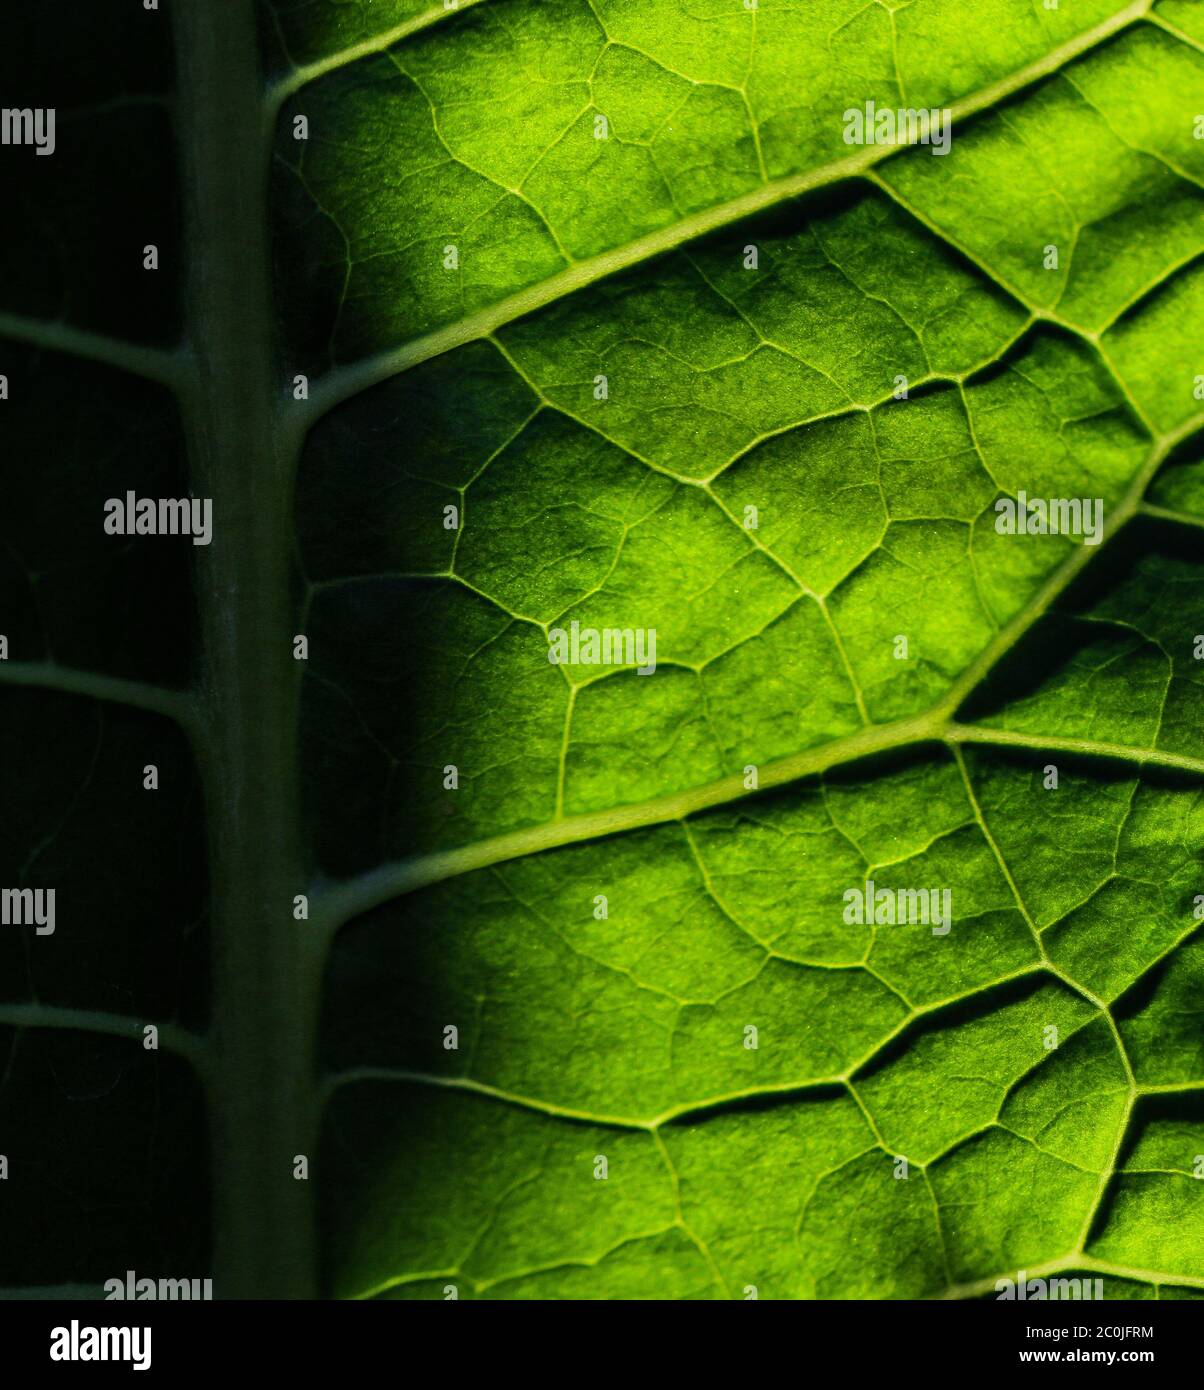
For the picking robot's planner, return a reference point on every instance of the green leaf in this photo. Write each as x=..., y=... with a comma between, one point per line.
x=501, y=322
x=729, y=388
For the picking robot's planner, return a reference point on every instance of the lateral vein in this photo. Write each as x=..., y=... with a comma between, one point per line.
x=48, y=675
x=170, y=367
x=293, y=81
x=172, y=1036
x=336, y=901
x=344, y=382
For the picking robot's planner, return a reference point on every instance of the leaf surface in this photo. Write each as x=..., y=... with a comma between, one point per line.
x=769, y=386
x=488, y=321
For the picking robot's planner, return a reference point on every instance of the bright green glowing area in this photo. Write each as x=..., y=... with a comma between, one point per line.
x=876, y=465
